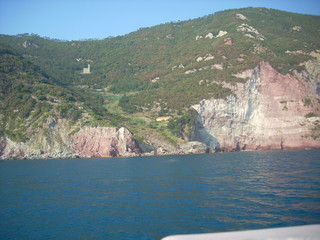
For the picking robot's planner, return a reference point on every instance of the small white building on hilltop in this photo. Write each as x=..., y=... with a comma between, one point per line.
x=86, y=70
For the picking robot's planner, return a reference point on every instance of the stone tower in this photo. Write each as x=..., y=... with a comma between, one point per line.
x=86, y=70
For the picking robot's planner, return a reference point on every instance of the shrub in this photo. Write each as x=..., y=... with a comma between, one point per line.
x=310, y=114
x=182, y=126
x=307, y=102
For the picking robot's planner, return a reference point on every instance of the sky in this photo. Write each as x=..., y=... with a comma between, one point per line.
x=98, y=19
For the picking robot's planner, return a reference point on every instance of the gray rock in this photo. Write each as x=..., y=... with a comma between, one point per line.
x=194, y=147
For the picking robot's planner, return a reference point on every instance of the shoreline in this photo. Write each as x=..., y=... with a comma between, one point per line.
x=53, y=156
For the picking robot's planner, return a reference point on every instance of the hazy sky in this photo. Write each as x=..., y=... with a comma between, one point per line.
x=79, y=19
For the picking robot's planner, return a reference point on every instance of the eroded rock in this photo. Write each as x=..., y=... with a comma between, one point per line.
x=194, y=147
x=268, y=112
x=104, y=142
x=250, y=31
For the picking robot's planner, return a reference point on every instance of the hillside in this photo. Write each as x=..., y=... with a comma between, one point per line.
x=148, y=60
x=158, y=71
x=28, y=95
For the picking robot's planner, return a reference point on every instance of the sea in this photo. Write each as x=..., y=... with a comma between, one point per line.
x=153, y=197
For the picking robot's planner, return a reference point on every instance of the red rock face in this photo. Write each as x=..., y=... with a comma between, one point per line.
x=104, y=142
x=283, y=108
x=270, y=111
x=275, y=85
x=228, y=41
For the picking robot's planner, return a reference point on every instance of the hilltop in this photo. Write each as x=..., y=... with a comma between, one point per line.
x=164, y=70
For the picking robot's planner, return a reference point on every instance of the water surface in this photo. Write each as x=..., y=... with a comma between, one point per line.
x=151, y=197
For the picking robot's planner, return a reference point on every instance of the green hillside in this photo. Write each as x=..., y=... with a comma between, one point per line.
x=161, y=70
x=28, y=96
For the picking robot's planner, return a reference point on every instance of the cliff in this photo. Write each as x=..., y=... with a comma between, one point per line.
x=269, y=111
x=56, y=139
x=104, y=142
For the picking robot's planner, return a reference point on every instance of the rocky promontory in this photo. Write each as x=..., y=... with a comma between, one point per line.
x=56, y=140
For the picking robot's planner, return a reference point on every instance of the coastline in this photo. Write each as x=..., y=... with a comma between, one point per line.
x=72, y=155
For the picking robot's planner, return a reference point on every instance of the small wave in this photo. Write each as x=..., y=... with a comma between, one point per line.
x=172, y=160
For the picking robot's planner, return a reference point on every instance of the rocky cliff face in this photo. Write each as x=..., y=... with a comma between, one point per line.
x=56, y=139
x=269, y=111
x=104, y=142
x=49, y=140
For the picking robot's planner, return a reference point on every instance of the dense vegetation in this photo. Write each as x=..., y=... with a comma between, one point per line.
x=182, y=126
x=28, y=97
x=154, y=71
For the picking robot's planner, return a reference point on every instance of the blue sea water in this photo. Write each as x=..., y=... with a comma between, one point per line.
x=152, y=197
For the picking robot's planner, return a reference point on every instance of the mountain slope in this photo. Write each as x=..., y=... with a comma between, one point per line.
x=39, y=118
x=26, y=93
x=147, y=61
x=213, y=64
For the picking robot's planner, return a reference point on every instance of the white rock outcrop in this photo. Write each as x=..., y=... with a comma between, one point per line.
x=155, y=79
x=209, y=35
x=199, y=59
x=221, y=33
x=217, y=66
x=194, y=147
x=181, y=66
x=206, y=57
x=267, y=112
x=297, y=28
x=175, y=67
x=190, y=71
x=241, y=16
x=29, y=43
x=250, y=31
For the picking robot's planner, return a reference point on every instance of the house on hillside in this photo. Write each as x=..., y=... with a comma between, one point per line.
x=164, y=118
x=86, y=70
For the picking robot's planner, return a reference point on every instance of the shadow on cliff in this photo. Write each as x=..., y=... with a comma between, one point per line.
x=200, y=134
